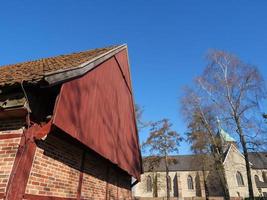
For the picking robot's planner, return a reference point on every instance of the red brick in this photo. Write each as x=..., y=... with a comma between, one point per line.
x=56, y=171
x=8, y=149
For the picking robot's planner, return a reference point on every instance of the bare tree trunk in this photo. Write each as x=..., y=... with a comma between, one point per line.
x=221, y=173
x=245, y=151
x=167, y=177
x=218, y=160
x=224, y=182
x=205, y=184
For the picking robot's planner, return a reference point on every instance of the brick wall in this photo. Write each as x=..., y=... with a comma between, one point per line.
x=55, y=169
x=124, y=189
x=102, y=180
x=57, y=165
x=10, y=136
x=56, y=172
x=94, y=178
x=113, y=183
x=8, y=150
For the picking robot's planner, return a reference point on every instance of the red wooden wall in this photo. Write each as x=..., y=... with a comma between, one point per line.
x=97, y=109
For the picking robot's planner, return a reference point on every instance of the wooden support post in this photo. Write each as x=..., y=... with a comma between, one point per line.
x=107, y=182
x=79, y=192
x=22, y=166
x=23, y=161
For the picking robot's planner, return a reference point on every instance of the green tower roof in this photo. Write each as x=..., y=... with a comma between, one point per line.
x=225, y=136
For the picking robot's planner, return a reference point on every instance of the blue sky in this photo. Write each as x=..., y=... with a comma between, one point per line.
x=167, y=40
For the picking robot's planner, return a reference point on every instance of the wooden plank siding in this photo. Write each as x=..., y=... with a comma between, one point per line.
x=97, y=109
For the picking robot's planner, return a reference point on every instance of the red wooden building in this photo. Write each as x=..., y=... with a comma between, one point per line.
x=68, y=129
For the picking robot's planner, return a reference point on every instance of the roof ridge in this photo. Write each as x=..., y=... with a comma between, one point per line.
x=183, y=155
x=57, y=56
x=58, y=68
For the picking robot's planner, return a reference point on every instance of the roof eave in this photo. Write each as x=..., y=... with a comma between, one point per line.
x=60, y=76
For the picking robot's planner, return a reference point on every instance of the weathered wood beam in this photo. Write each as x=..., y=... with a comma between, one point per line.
x=64, y=75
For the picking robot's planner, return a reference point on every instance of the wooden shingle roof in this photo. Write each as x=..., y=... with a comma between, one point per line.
x=35, y=71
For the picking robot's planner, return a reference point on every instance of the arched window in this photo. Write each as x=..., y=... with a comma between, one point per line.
x=264, y=177
x=149, y=184
x=257, y=179
x=169, y=182
x=238, y=194
x=239, y=178
x=190, y=183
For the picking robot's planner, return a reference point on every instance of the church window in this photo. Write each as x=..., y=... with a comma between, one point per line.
x=190, y=182
x=149, y=184
x=239, y=178
x=169, y=182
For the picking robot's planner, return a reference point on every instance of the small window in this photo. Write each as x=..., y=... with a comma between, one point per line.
x=264, y=177
x=190, y=183
x=239, y=178
x=149, y=184
x=238, y=194
x=169, y=182
x=256, y=178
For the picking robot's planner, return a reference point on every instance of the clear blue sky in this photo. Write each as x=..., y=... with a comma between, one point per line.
x=167, y=39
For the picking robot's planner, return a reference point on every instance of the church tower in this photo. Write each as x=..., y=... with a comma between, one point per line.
x=224, y=138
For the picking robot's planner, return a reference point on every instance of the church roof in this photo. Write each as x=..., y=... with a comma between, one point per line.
x=258, y=160
x=178, y=163
x=195, y=162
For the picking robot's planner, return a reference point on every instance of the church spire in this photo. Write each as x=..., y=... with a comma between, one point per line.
x=224, y=138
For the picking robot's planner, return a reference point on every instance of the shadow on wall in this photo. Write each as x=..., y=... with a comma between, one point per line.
x=64, y=149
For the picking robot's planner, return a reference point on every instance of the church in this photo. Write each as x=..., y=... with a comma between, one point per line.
x=193, y=175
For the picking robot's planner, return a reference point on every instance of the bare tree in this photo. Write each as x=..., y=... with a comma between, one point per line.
x=139, y=117
x=234, y=89
x=161, y=142
x=202, y=126
x=200, y=145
